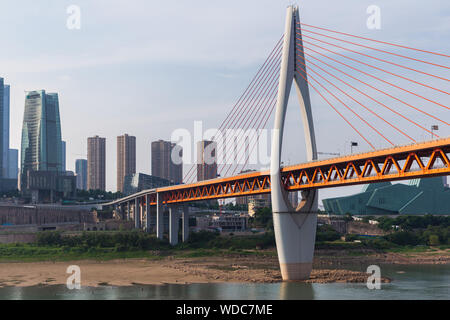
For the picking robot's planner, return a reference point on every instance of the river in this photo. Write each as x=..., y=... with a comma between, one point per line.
x=409, y=282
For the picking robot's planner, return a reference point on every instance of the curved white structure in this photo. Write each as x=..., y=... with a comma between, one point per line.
x=295, y=228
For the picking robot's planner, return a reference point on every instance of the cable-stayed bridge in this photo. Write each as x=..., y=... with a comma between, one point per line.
x=380, y=90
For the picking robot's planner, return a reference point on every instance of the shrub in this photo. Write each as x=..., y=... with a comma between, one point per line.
x=327, y=233
x=433, y=240
x=403, y=238
x=49, y=238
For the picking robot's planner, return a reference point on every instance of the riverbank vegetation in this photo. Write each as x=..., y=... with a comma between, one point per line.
x=411, y=234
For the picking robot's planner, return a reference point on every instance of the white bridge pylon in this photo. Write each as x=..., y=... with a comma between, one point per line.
x=295, y=228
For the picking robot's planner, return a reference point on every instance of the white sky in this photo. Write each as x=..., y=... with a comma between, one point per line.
x=147, y=68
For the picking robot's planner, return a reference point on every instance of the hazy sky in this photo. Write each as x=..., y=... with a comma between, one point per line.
x=147, y=68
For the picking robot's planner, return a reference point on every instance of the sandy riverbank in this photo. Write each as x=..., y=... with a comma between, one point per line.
x=174, y=271
x=329, y=266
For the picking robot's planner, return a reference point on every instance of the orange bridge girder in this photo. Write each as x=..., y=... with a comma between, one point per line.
x=398, y=163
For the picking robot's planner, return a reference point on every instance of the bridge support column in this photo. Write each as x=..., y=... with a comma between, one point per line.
x=137, y=213
x=295, y=228
x=159, y=217
x=128, y=211
x=295, y=234
x=185, y=224
x=173, y=225
x=147, y=214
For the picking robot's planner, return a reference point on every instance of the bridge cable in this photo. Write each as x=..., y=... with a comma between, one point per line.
x=231, y=115
x=343, y=103
x=365, y=83
x=268, y=80
x=337, y=111
x=351, y=97
x=273, y=83
x=380, y=69
x=379, y=79
x=405, y=103
x=374, y=40
x=262, y=88
x=394, y=127
x=261, y=116
x=383, y=51
x=273, y=105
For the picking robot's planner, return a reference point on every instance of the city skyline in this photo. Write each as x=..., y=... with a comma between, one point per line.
x=219, y=69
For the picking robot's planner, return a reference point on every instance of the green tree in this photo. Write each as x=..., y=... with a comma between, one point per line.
x=433, y=240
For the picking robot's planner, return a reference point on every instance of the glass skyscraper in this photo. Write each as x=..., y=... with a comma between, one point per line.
x=8, y=158
x=4, y=157
x=5, y=129
x=41, y=148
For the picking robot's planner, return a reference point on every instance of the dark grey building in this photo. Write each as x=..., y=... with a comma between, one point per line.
x=163, y=165
x=50, y=186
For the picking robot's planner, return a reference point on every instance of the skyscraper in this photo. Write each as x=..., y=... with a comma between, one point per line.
x=163, y=165
x=126, y=158
x=206, y=160
x=4, y=128
x=96, y=153
x=81, y=172
x=9, y=157
x=41, y=134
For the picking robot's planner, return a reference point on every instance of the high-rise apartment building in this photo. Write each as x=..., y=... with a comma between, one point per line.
x=126, y=158
x=163, y=164
x=41, y=134
x=81, y=173
x=206, y=160
x=96, y=154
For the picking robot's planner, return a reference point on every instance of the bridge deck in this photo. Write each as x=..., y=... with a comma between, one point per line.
x=399, y=163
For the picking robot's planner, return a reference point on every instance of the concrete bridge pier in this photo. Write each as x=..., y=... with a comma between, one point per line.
x=295, y=228
x=173, y=224
x=185, y=218
x=159, y=216
x=137, y=213
x=147, y=214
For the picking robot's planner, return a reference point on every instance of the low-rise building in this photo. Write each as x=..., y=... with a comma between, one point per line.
x=49, y=186
x=230, y=222
x=137, y=182
x=258, y=202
